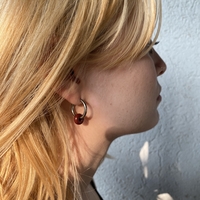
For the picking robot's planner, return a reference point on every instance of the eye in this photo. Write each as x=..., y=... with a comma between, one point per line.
x=149, y=44
x=151, y=51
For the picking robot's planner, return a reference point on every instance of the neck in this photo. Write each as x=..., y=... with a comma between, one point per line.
x=92, y=148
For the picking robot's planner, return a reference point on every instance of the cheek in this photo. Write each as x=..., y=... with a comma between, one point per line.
x=126, y=101
x=135, y=109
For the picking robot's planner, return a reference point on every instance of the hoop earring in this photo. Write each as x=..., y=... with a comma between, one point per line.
x=79, y=118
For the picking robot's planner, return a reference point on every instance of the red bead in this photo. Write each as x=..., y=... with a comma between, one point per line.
x=78, y=119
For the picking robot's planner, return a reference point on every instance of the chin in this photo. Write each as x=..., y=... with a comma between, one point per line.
x=154, y=122
x=149, y=124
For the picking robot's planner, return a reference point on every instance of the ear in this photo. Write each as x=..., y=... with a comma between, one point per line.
x=70, y=91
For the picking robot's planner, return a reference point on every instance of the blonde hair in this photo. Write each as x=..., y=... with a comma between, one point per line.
x=40, y=42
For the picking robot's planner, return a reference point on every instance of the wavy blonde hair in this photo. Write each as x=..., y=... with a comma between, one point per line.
x=40, y=42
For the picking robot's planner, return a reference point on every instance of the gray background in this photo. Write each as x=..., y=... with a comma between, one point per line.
x=170, y=152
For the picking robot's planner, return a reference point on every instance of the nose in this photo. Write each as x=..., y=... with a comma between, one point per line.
x=159, y=64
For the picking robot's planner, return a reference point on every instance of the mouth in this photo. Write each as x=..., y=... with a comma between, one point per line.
x=159, y=98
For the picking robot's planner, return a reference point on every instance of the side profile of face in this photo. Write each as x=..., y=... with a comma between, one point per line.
x=125, y=99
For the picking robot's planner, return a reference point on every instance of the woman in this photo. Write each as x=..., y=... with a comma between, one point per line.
x=75, y=75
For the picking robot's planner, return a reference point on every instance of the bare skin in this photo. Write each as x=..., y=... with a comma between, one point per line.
x=121, y=101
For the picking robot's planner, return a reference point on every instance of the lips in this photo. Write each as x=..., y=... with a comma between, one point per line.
x=159, y=98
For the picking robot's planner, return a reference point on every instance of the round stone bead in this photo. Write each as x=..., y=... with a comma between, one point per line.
x=78, y=119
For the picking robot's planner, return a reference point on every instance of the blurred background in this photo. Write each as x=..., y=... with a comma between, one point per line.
x=164, y=163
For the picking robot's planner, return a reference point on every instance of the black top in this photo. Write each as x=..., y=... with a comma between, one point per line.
x=93, y=185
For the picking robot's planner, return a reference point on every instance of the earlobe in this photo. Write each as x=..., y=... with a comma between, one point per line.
x=79, y=118
x=71, y=89
x=70, y=93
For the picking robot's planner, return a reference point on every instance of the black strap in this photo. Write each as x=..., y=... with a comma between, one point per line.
x=93, y=185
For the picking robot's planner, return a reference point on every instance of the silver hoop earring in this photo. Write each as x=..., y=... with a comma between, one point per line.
x=79, y=118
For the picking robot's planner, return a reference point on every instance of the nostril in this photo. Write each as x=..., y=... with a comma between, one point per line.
x=161, y=68
x=161, y=72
